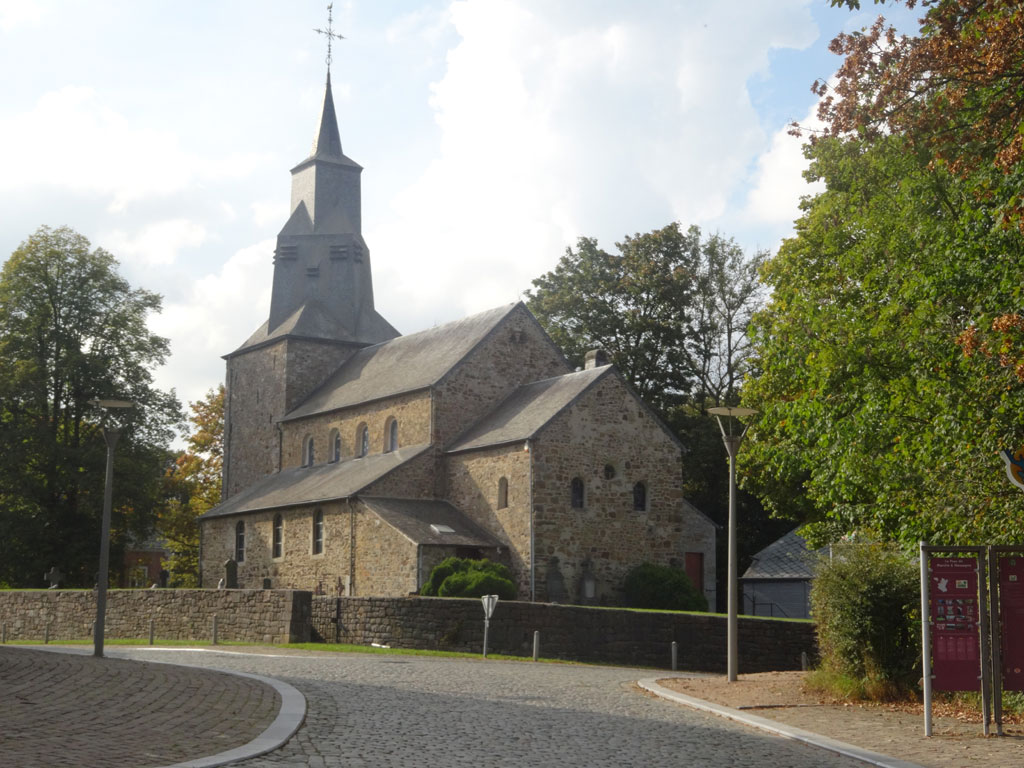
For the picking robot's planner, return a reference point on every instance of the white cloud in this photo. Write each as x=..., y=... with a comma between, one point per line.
x=219, y=312
x=779, y=183
x=156, y=243
x=556, y=125
x=17, y=13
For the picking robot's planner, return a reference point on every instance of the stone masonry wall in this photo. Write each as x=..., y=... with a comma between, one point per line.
x=412, y=412
x=516, y=352
x=566, y=632
x=258, y=616
x=385, y=561
x=611, y=441
x=473, y=488
x=262, y=386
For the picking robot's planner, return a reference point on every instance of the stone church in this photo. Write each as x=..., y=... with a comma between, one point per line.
x=356, y=459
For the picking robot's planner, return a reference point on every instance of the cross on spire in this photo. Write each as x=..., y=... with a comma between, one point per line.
x=330, y=33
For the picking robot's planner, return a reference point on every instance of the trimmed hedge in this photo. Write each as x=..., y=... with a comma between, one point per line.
x=662, y=588
x=461, y=577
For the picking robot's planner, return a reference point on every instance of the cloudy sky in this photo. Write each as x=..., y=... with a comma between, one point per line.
x=493, y=134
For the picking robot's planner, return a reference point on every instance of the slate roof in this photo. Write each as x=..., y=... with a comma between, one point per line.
x=405, y=364
x=312, y=321
x=524, y=412
x=312, y=485
x=414, y=518
x=786, y=558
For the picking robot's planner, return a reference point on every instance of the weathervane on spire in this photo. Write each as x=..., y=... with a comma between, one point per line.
x=330, y=33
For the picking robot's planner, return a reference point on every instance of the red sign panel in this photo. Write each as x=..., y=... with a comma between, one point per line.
x=955, y=612
x=1011, y=609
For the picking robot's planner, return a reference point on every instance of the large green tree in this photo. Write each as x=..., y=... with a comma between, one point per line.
x=72, y=330
x=672, y=308
x=883, y=402
x=194, y=486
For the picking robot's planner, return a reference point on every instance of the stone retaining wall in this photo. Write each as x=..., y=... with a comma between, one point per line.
x=568, y=632
x=262, y=616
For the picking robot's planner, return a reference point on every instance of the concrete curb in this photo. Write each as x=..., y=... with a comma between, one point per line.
x=779, y=729
x=289, y=717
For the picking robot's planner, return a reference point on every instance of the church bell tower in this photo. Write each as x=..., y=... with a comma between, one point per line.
x=321, y=308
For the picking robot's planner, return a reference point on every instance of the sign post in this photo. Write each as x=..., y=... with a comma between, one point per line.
x=954, y=622
x=489, y=602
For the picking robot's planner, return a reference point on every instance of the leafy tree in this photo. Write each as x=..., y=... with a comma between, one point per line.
x=662, y=588
x=71, y=330
x=194, y=486
x=672, y=309
x=888, y=355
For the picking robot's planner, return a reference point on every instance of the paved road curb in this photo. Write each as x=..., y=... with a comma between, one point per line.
x=780, y=729
x=289, y=717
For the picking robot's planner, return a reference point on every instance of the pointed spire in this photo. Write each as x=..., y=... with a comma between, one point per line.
x=328, y=140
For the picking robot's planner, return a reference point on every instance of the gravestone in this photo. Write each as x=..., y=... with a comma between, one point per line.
x=164, y=576
x=556, y=582
x=230, y=574
x=53, y=576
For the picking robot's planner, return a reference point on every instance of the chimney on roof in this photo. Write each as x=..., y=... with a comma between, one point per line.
x=595, y=358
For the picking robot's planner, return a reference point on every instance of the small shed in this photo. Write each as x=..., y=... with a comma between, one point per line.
x=778, y=581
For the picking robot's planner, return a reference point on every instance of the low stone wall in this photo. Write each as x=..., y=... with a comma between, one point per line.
x=248, y=615
x=568, y=632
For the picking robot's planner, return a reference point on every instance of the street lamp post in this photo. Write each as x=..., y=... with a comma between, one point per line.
x=110, y=436
x=732, y=445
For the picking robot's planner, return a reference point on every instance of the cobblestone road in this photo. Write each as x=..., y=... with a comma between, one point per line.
x=378, y=711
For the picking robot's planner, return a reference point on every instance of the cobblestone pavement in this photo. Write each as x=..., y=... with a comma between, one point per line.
x=376, y=711
x=59, y=709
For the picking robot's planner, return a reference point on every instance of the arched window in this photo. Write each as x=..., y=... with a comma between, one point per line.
x=278, y=537
x=335, y=445
x=503, y=493
x=640, y=497
x=239, y=541
x=318, y=532
x=362, y=441
x=391, y=438
x=576, y=490
x=309, y=453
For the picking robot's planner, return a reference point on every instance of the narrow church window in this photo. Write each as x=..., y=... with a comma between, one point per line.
x=335, y=443
x=308, y=458
x=278, y=536
x=640, y=497
x=577, y=493
x=363, y=441
x=392, y=444
x=503, y=493
x=318, y=532
x=239, y=541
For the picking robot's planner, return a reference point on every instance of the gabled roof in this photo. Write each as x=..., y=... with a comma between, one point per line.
x=404, y=364
x=785, y=558
x=316, y=484
x=524, y=412
x=424, y=522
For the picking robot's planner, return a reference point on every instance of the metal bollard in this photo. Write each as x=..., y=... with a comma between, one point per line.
x=675, y=655
x=803, y=661
x=3, y=633
x=215, y=629
x=152, y=625
x=536, y=644
x=46, y=634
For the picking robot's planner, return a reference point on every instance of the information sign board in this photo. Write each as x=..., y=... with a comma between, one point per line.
x=1011, y=610
x=955, y=612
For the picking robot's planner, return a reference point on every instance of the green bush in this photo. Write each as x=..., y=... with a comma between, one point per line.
x=461, y=577
x=662, y=588
x=866, y=604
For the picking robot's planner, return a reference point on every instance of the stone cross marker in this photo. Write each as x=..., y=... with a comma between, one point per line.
x=53, y=576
